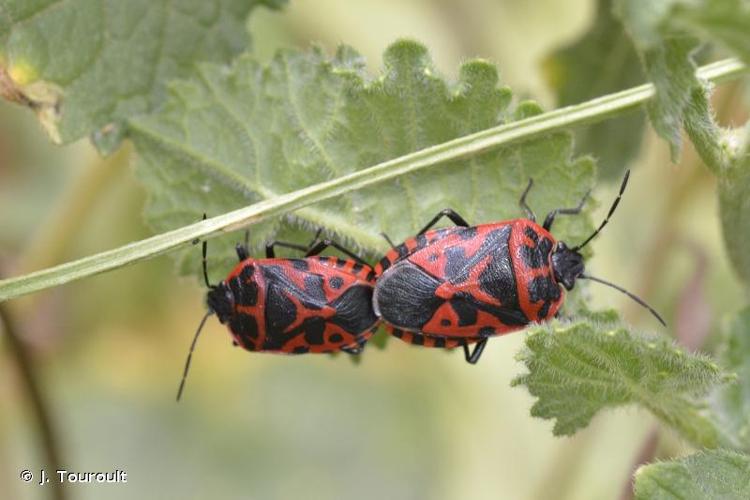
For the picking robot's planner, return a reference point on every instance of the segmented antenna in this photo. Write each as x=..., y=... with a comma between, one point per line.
x=205, y=268
x=190, y=355
x=611, y=211
x=632, y=296
x=205, y=253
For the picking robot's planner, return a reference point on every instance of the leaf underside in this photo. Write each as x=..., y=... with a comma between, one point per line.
x=577, y=370
x=234, y=136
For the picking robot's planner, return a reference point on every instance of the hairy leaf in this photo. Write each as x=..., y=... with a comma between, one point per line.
x=87, y=65
x=731, y=403
x=666, y=34
x=711, y=475
x=576, y=370
x=244, y=134
x=607, y=58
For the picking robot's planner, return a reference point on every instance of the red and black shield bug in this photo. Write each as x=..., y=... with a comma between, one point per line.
x=460, y=285
x=314, y=304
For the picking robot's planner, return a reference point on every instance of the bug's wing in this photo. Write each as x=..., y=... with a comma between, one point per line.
x=476, y=287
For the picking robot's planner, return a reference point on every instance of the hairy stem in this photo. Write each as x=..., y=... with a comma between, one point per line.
x=463, y=147
x=39, y=405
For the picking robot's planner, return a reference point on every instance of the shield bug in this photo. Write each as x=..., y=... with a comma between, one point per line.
x=461, y=285
x=314, y=304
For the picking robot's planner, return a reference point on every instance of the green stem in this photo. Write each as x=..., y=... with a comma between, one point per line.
x=463, y=147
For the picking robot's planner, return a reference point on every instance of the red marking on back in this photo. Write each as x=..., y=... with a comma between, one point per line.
x=331, y=271
x=524, y=274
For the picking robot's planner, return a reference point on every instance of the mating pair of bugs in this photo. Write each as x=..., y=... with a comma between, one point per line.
x=449, y=287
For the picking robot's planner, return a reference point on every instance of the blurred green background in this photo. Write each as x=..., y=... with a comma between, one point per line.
x=406, y=423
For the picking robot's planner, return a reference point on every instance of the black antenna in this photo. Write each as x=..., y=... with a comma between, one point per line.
x=205, y=252
x=611, y=211
x=632, y=296
x=205, y=270
x=190, y=355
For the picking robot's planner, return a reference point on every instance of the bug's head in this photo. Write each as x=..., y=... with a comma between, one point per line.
x=220, y=300
x=567, y=264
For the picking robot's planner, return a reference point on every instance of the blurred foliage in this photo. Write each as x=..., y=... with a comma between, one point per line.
x=734, y=184
x=116, y=59
x=607, y=59
x=714, y=474
x=731, y=403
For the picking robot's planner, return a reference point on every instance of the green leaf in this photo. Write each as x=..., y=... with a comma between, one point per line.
x=666, y=35
x=717, y=474
x=241, y=135
x=87, y=65
x=734, y=204
x=607, y=57
x=577, y=370
x=731, y=403
x=469, y=146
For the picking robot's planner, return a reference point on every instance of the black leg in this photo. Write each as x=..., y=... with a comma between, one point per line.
x=323, y=244
x=241, y=251
x=473, y=356
x=315, y=238
x=388, y=240
x=564, y=211
x=271, y=253
x=524, y=205
x=446, y=212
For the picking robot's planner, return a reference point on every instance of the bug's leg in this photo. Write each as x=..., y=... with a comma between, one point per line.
x=323, y=244
x=241, y=251
x=473, y=356
x=315, y=239
x=270, y=248
x=526, y=208
x=446, y=212
x=354, y=351
x=564, y=211
x=390, y=242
